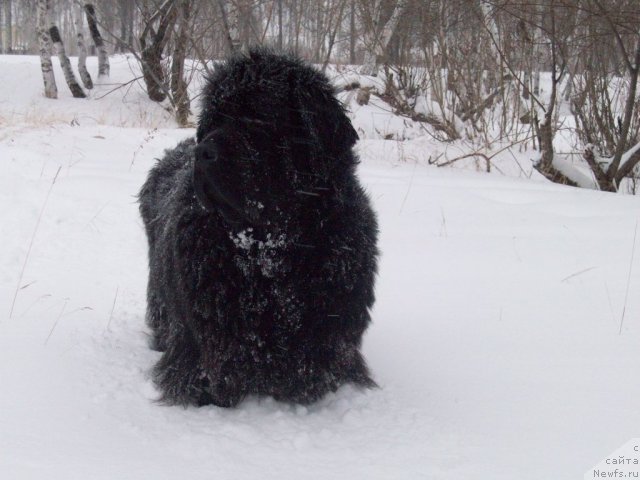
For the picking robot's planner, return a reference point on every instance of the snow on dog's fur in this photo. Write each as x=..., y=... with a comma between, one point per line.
x=262, y=243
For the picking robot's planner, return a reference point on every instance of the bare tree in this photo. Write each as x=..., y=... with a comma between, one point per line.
x=65, y=63
x=126, y=14
x=467, y=70
x=246, y=23
x=230, y=24
x=178, y=83
x=380, y=19
x=547, y=127
x=8, y=26
x=82, y=63
x=617, y=170
x=333, y=25
x=352, y=32
x=280, y=44
x=103, y=56
x=42, y=15
x=1, y=37
x=153, y=39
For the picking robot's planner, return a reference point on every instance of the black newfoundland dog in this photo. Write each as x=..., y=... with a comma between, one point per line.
x=262, y=243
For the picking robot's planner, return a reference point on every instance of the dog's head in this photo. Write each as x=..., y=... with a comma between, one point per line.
x=271, y=132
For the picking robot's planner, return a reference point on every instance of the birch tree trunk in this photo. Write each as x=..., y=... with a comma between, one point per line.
x=178, y=84
x=378, y=33
x=280, y=44
x=125, y=10
x=244, y=21
x=75, y=88
x=103, y=57
x=44, y=42
x=8, y=28
x=1, y=37
x=352, y=33
x=82, y=63
x=230, y=25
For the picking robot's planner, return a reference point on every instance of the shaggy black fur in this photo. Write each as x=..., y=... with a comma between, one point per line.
x=262, y=243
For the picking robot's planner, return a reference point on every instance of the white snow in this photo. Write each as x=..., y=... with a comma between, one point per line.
x=495, y=339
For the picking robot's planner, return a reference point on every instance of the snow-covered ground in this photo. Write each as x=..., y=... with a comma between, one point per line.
x=496, y=336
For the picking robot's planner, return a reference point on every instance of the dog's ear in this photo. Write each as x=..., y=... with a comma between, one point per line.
x=343, y=132
x=340, y=129
x=203, y=183
x=214, y=185
x=325, y=120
